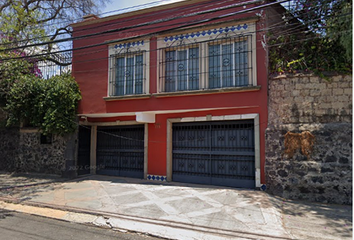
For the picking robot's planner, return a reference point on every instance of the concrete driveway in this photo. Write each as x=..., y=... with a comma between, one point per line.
x=188, y=211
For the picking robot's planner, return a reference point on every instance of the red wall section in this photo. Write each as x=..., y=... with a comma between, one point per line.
x=90, y=64
x=235, y=99
x=157, y=146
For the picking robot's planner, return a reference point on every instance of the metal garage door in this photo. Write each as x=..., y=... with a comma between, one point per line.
x=216, y=153
x=120, y=151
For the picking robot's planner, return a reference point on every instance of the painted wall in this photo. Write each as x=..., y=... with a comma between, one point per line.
x=90, y=65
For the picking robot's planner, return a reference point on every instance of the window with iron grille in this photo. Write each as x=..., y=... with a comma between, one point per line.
x=128, y=69
x=207, y=60
x=228, y=63
x=182, y=69
x=129, y=74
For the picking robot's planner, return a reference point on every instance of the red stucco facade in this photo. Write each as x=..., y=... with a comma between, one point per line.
x=91, y=70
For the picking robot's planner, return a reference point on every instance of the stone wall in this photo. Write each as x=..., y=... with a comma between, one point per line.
x=23, y=151
x=2, y=116
x=9, y=148
x=324, y=108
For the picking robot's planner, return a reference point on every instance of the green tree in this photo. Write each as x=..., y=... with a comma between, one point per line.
x=339, y=27
x=316, y=37
x=29, y=22
x=26, y=27
x=49, y=104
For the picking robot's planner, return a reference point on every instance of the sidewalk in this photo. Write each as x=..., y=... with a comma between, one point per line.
x=176, y=210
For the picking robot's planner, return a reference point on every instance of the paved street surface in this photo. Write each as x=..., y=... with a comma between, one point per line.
x=19, y=226
x=181, y=211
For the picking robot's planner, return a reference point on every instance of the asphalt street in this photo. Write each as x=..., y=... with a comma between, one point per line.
x=19, y=226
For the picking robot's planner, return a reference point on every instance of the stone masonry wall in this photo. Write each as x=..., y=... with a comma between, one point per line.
x=22, y=151
x=9, y=148
x=308, y=103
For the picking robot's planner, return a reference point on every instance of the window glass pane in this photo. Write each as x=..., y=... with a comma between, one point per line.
x=170, y=71
x=120, y=68
x=182, y=70
x=214, y=66
x=129, y=75
x=227, y=66
x=193, y=69
x=241, y=59
x=139, y=76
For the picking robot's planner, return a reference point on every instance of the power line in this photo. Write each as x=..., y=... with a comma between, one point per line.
x=106, y=43
x=124, y=21
x=288, y=30
x=65, y=40
x=160, y=21
x=105, y=69
x=127, y=20
x=191, y=23
x=72, y=49
x=137, y=7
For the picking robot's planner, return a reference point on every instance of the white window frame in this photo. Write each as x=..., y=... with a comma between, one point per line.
x=125, y=49
x=176, y=49
x=203, y=43
x=234, y=65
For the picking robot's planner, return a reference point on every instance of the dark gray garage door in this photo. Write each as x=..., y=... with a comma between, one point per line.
x=215, y=153
x=120, y=151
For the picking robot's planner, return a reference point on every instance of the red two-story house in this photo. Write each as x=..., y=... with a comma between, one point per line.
x=176, y=92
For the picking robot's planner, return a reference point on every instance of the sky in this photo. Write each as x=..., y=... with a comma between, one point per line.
x=122, y=5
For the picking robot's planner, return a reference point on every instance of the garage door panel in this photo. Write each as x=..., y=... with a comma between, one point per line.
x=233, y=166
x=217, y=153
x=191, y=164
x=191, y=138
x=126, y=136
x=238, y=183
x=108, y=159
x=192, y=179
x=120, y=151
x=233, y=137
x=132, y=161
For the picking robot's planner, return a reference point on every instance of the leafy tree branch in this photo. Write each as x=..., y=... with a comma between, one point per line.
x=316, y=37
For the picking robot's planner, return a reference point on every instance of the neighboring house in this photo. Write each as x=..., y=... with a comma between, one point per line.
x=176, y=92
x=58, y=64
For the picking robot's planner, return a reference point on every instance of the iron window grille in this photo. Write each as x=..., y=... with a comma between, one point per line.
x=228, y=63
x=219, y=63
x=182, y=68
x=128, y=73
